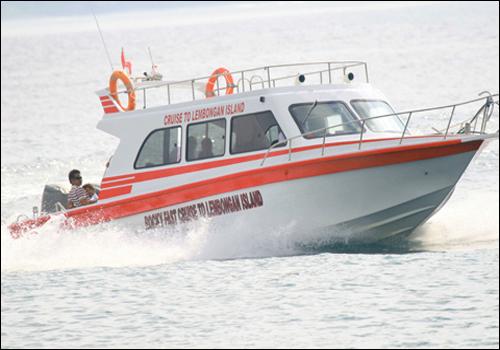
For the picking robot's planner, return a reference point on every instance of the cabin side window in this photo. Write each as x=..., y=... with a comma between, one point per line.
x=253, y=132
x=161, y=147
x=320, y=119
x=206, y=140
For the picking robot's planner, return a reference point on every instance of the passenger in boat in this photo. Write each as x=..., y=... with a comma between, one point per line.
x=77, y=195
x=206, y=148
x=192, y=145
x=91, y=193
x=174, y=155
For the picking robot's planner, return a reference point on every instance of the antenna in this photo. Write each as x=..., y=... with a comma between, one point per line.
x=151, y=57
x=102, y=38
x=155, y=73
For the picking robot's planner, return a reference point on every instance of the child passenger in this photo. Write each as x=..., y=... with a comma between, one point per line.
x=91, y=193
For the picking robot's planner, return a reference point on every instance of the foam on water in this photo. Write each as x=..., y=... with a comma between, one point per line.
x=411, y=69
x=468, y=221
x=459, y=225
x=102, y=245
x=113, y=245
x=110, y=287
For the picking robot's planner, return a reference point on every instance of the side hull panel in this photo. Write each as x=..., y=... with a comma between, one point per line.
x=361, y=206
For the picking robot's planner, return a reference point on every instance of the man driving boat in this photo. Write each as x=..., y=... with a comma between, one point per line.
x=77, y=196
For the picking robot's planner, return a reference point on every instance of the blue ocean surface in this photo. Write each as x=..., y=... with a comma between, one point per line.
x=105, y=286
x=420, y=300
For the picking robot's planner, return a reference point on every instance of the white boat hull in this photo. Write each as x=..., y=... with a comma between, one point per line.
x=360, y=206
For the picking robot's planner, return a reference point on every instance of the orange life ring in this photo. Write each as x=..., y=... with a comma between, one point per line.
x=209, y=89
x=113, y=83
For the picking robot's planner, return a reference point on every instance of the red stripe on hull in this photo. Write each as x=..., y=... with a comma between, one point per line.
x=268, y=175
x=113, y=192
x=157, y=174
x=111, y=110
x=252, y=178
x=106, y=103
x=17, y=229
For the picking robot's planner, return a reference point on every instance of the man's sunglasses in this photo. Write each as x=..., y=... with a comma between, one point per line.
x=77, y=177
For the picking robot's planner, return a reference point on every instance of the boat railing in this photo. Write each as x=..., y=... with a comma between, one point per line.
x=469, y=126
x=327, y=72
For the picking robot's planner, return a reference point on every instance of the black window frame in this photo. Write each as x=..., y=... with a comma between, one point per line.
x=284, y=142
x=204, y=122
x=354, y=115
x=147, y=138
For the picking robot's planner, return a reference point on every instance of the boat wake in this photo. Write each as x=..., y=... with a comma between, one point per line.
x=468, y=221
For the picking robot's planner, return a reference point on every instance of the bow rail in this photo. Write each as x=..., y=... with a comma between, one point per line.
x=469, y=126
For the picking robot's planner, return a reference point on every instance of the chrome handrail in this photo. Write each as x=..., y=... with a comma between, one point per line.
x=486, y=109
x=268, y=78
x=22, y=217
x=60, y=207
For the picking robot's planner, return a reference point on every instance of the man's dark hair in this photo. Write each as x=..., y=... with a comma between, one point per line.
x=73, y=173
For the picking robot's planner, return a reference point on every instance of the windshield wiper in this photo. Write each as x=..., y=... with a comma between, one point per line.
x=309, y=112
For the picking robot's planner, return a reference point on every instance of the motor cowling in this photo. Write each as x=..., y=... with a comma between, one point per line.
x=53, y=194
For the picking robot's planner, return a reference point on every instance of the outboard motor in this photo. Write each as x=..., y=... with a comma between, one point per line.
x=52, y=195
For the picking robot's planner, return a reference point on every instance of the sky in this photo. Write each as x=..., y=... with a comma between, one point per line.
x=37, y=9
x=15, y=10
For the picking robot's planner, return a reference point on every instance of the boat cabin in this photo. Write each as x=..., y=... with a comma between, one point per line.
x=255, y=116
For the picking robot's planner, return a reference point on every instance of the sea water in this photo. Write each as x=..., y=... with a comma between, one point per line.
x=105, y=286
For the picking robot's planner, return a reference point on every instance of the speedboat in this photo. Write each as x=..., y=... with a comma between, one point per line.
x=312, y=147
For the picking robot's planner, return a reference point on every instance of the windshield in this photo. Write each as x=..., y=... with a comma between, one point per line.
x=316, y=116
x=369, y=109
